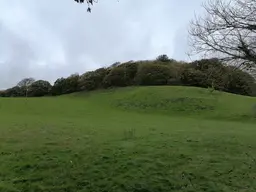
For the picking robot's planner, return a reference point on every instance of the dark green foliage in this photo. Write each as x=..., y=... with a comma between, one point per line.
x=163, y=58
x=206, y=64
x=193, y=77
x=214, y=71
x=66, y=85
x=115, y=78
x=131, y=69
x=92, y=80
x=58, y=87
x=122, y=75
x=15, y=91
x=206, y=73
x=239, y=82
x=87, y=81
x=153, y=74
x=71, y=83
x=39, y=88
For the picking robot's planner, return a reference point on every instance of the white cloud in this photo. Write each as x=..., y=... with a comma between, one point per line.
x=49, y=39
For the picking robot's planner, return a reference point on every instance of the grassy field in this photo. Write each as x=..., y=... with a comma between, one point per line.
x=137, y=139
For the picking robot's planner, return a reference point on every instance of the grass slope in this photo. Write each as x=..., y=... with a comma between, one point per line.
x=143, y=139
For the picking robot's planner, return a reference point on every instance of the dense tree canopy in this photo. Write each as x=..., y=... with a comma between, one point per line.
x=39, y=88
x=206, y=73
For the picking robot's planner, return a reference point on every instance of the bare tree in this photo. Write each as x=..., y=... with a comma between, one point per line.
x=226, y=31
x=25, y=83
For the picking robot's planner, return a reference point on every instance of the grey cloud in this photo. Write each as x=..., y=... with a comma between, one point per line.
x=50, y=39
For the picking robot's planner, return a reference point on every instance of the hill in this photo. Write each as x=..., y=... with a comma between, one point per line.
x=204, y=73
x=177, y=101
x=129, y=139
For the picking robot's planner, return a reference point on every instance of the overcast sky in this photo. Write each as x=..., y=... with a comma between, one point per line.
x=49, y=39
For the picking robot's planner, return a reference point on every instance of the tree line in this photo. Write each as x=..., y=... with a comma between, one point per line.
x=206, y=73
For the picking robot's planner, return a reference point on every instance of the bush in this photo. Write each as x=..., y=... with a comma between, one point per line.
x=193, y=77
x=15, y=92
x=58, y=87
x=122, y=75
x=153, y=74
x=177, y=69
x=206, y=64
x=71, y=84
x=239, y=82
x=93, y=79
x=214, y=71
x=116, y=78
x=162, y=71
x=131, y=69
x=39, y=88
x=163, y=58
x=66, y=85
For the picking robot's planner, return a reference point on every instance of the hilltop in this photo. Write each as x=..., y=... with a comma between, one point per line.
x=205, y=73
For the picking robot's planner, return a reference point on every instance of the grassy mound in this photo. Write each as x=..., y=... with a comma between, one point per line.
x=124, y=140
x=177, y=101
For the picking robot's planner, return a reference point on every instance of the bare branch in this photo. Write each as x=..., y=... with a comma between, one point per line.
x=228, y=29
x=89, y=3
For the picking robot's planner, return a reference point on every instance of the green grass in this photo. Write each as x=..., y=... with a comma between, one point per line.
x=138, y=139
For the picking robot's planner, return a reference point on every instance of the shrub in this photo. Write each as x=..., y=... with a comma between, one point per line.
x=115, y=78
x=58, y=87
x=205, y=64
x=66, y=85
x=122, y=75
x=239, y=82
x=214, y=71
x=71, y=84
x=163, y=58
x=193, y=77
x=177, y=69
x=131, y=69
x=93, y=79
x=15, y=91
x=39, y=88
x=153, y=74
